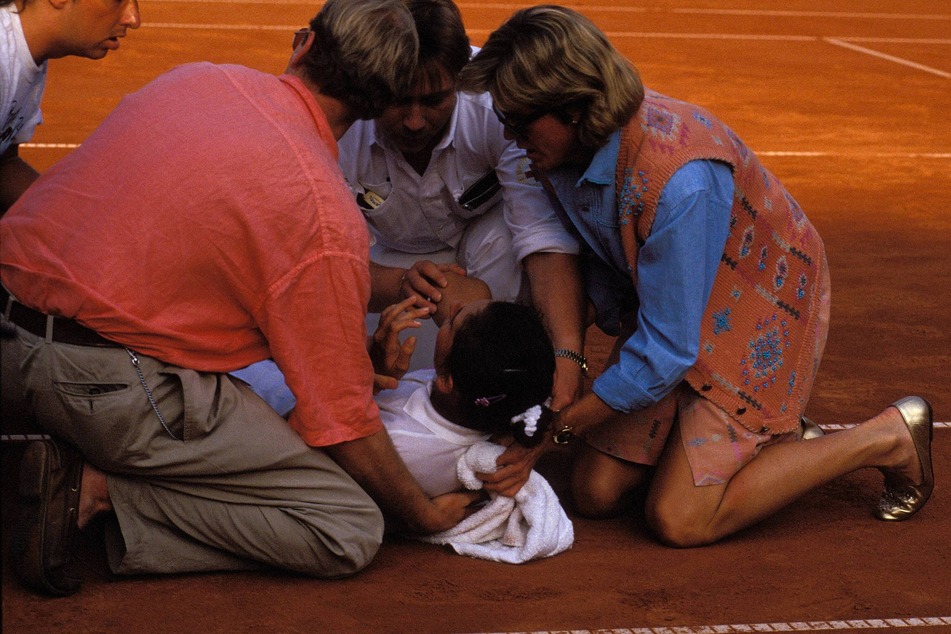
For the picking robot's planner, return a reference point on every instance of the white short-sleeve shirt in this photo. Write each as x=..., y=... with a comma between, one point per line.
x=422, y=213
x=429, y=444
x=21, y=82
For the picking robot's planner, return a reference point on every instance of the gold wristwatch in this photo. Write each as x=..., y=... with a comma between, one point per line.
x=563, y=435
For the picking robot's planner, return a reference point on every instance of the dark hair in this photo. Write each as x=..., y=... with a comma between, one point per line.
x=443, y=42
x=501, y=364
x=364, y=53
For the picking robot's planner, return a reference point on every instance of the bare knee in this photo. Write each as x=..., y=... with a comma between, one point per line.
x=675, y=526
x=597, y=499
x=603, y=486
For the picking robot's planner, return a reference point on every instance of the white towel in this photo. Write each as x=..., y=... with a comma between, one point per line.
x=529, y=526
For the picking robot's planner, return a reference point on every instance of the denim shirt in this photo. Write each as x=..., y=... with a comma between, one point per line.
x=676, y=267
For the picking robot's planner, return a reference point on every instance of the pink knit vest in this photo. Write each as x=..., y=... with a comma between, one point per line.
x=758, y=335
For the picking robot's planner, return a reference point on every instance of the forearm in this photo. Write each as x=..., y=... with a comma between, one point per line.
x=384, y=286
x=558, y=294
x=374, y=464
x=15, y=177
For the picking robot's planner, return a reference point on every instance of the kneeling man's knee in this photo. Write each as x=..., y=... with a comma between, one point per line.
x=346, y=549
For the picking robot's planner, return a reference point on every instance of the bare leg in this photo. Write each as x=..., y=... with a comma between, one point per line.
x=93, y=495
x=682, y=514
x=602, y=485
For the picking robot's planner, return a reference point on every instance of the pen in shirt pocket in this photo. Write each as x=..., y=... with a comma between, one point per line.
x=369, y=199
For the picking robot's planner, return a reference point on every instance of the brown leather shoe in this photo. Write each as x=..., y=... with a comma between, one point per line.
x=42, y=547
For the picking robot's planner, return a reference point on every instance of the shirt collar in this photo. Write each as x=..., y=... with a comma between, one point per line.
x=320, y=117
x=419, y=407
x=601, y=171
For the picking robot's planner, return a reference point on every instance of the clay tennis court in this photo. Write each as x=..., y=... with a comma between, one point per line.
x=847, y=102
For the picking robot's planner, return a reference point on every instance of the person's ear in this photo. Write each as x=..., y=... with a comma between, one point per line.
x=443, y=383
x=301, y=50
x=573, y=115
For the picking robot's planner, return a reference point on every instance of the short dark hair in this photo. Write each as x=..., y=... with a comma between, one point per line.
x=364, y=53
x=443, y=42
x=501, y=364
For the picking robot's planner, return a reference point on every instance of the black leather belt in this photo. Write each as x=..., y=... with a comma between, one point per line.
x=64, y=330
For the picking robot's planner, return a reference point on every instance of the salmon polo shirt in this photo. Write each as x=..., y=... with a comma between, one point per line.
x=206, y=223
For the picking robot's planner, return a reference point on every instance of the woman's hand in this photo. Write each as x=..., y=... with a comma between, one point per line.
x=513, y=467
x=568, y=384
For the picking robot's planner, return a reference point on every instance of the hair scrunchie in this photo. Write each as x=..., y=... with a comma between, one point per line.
x=530, y=418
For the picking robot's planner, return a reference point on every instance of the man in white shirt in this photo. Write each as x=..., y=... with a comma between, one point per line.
x=32, y=32
x=444, y=191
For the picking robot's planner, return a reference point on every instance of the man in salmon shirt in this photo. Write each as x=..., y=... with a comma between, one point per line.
x=204, y=226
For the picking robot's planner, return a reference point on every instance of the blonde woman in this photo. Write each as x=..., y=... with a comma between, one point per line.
x=714, y=282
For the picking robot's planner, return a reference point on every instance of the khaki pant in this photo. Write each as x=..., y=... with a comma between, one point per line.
x=235, y=488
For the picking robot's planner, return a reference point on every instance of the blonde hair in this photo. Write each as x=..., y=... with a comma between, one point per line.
x=364, y=53
x=553, y=58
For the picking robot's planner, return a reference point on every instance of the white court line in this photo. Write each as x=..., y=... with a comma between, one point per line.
x=51, y=146
x=890, y=58
x=796, y=626
x=714, y=36
x=656, y=34
x=223, y=27
x=626, y=9
x=937, y=425
x=895, y=40
x=23, y=437
x=815, y=14
x=692, y=36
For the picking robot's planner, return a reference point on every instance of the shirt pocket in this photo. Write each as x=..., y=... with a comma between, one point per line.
x=383, y=213
x=480, y=196
x=372, y=196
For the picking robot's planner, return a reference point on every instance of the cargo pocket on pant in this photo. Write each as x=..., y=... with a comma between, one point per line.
x=199, y=394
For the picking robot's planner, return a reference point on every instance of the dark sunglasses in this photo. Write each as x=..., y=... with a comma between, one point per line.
x=518, y=125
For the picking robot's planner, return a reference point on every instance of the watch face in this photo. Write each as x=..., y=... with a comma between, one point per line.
x=562, y=436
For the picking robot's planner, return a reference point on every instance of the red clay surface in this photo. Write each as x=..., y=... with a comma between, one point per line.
x=861, y=141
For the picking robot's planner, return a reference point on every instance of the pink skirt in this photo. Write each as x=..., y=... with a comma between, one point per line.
x=716, y=445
